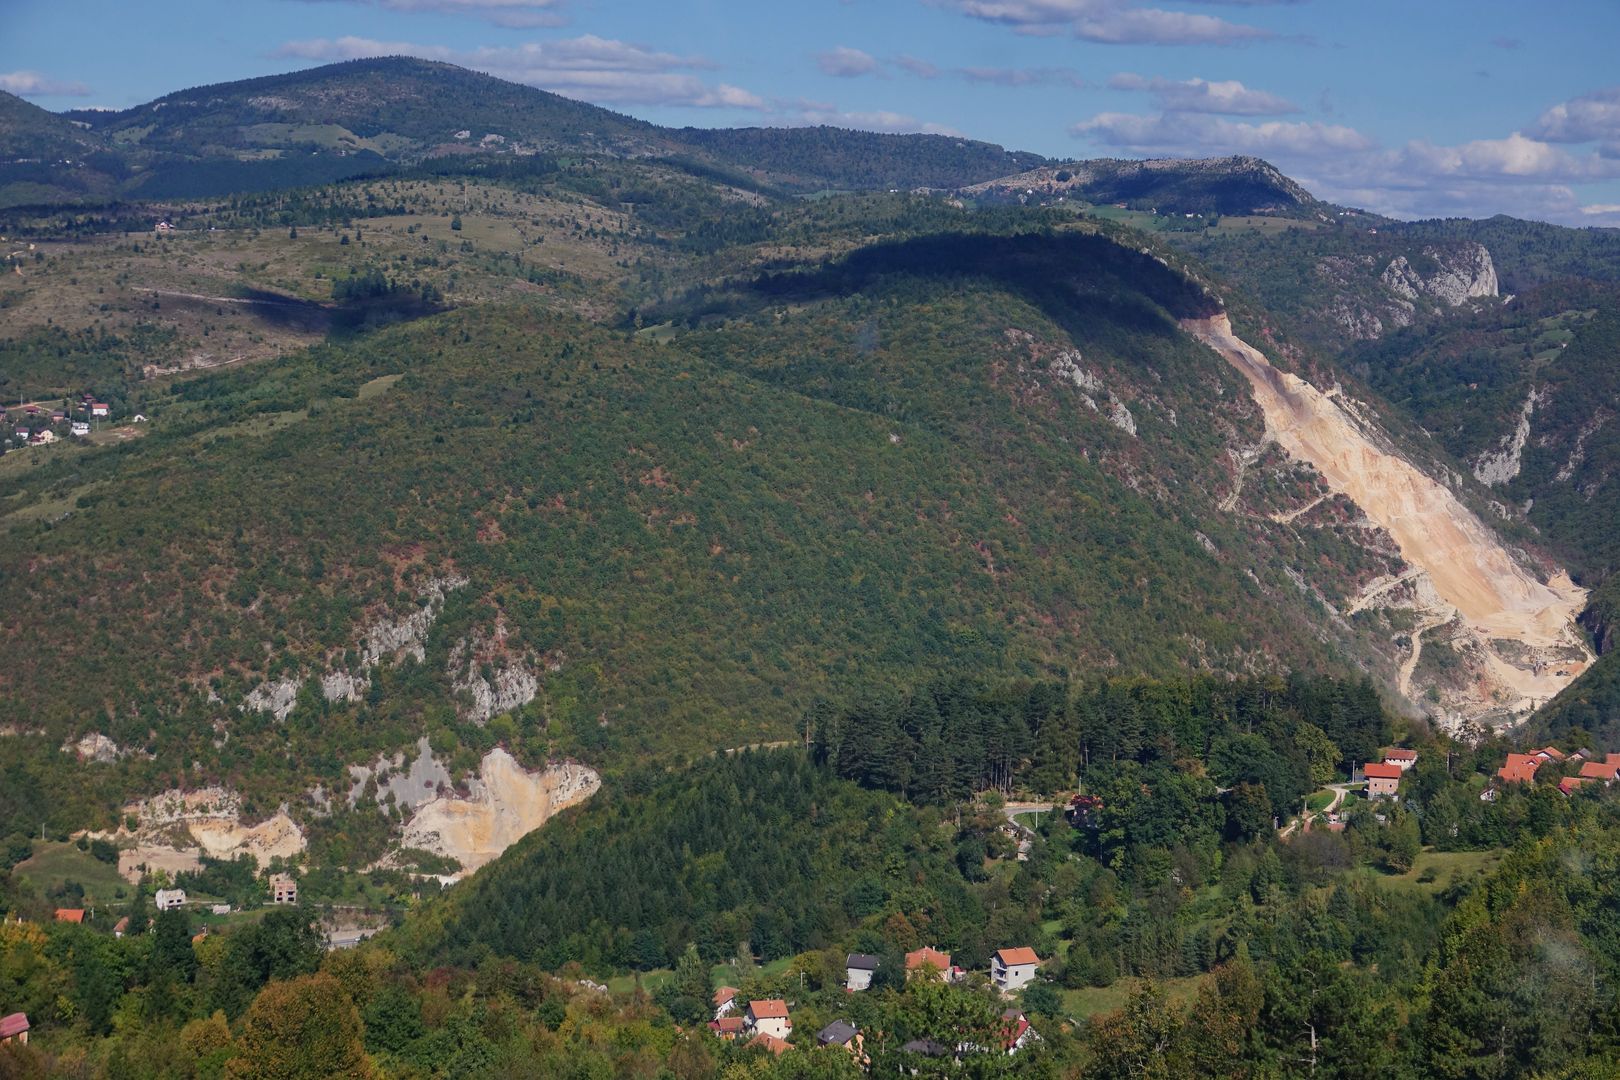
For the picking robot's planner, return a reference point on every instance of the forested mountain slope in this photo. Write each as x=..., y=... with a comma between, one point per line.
x=871, y=470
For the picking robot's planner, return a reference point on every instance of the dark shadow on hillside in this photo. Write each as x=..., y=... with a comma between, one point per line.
x=1071, y=277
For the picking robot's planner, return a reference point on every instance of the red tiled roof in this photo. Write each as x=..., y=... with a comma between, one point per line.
x=1599, y=770
x=1375, y=770
x=771, y=1043
x=1017, y=957
x=724, y=994
x=13, y=1025
x=1552, y=752
x=1520, y=768
x=768, y=1008
x=930, y=956
x=727, y=1025
x=1399, y=754
x=70, y=914
x=1570, y=783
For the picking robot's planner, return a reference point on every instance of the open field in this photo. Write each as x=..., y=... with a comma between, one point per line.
x=52, y=864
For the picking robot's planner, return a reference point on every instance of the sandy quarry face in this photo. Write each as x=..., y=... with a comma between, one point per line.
x=506, y=802
x=212, y=818
x=1470, y=576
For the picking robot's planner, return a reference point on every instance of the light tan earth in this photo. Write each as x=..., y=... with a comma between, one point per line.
x=157, y=857
x=505, y=803
x=1470, y=574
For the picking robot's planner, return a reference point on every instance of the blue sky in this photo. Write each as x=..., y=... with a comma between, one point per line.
x=1409, y=107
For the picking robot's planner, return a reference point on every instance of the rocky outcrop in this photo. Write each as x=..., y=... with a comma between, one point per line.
x=212, y=817
x=504, y=803
x=404, y=785
x=96, y=747
x=1371, y=301
x=490, y=680
x=1502, y=464
x=276, y=697
x=1456, y=275
x=1067, y=366
x=395, y=639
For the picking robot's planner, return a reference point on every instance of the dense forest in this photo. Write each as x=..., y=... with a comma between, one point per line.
x=1435, y=934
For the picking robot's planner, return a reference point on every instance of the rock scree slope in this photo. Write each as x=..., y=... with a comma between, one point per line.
x=1474, y=579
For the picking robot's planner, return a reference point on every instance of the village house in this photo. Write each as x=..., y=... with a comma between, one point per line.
x=1520, y=768
x=283, y=889
x=858, y=971
x=100, y=409
x=844, y=1034
x=121, y=927
x=1018, y=1032
x=769, y=1016
x=772, y=1043
x=79, y=427
x=1012, y=969
x=1382, y=780
x=169, y=898
x=1606, y=771
x=14, y=1029
x=70, y=914
x=725, y=1000
x=42, y=437
x=930, y=960
x=727, y=1027
x=1400, y=758
x=1570, y=784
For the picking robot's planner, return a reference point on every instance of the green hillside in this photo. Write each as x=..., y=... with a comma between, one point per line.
x=880, y=473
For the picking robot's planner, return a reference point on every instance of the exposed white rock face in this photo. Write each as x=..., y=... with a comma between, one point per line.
x=342, y=686
x=276, y=697
x=504, y=690
x=407, y=636
x=1502, y=464
x=213, y=817
x=1460, y=275
x=410, y=787
x=95, y=747
x=1067, y=366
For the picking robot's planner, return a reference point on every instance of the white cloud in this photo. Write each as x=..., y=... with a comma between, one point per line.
x=1111, y=22
x=1593, y=117
x=588, y=67
x=1516, y=157
x=508, y=13
x=33, y=84
x=1189, y=135
x=846, y=63
x=804, y=112
x=1228, y=97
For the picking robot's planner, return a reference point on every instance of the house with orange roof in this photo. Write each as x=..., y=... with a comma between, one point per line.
x=1570, y=784
x=1012, y=969
x=772, y=1043
x=1382, y=779
x=769, y=1016
x=1601, y=770
x=1549, y=753
x=1520, y=768
x=928, y=958
x=725, y=1000
x=728, y=1027
x=70, y=914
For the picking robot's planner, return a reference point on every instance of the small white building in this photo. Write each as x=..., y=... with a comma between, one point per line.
x=220, y=909
x=858, y=971
x=768, y=1017
x=1012, y=969
x=167, y=899
x=80, y=428
x=100, y=408
x=1400, y=758
x=725, y=1000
